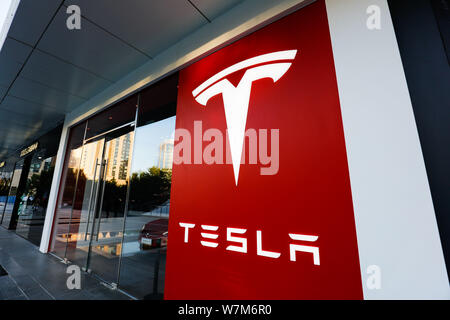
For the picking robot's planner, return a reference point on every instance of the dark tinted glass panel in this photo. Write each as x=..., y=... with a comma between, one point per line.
x=67, y=189
x=123, y=112
x=158, y=101
x=13, y=193
x=5, y=182
x=33, y=202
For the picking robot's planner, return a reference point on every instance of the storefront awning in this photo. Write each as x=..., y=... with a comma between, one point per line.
x=47, y=70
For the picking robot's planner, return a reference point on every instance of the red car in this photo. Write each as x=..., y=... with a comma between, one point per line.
x=154, y=234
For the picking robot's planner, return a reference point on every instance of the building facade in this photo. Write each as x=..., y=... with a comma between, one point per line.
x=292, y=150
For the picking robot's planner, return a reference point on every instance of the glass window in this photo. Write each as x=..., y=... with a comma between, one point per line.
x=143, y=261
x=67, y=190
x=33, y=203
x=5, y=183
x=146, y=226
x=9, y=216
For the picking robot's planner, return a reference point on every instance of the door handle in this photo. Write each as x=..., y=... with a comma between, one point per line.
x=103, y=174
x=90, y=200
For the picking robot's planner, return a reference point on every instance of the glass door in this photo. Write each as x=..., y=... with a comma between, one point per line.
x=106, y=234
x=93, y=189
x=86, y=194
x=97, y=220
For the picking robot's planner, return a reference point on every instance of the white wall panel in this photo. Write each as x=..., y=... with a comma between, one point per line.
x=395, y=220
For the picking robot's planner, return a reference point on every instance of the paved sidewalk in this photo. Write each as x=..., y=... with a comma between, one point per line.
x=33, y=275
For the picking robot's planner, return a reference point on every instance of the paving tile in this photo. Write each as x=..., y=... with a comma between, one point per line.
x=13, y=268
x=21, y=297
x=8, y=287
x=75, y=295
x=37, y=276
x=25, y=282
x=37, y=293
x=106, y=294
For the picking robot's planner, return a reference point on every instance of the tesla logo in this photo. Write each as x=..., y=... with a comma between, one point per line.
x=236, y=99
x=235, y=236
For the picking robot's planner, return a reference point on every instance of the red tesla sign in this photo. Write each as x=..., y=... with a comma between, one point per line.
x=261, y=203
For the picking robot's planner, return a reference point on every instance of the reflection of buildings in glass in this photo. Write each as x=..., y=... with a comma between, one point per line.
x=47, y=164
x=91, y=154
x=15, y=179
x=118, y=157
x=165, y=158
x=74, y=159
x=42, y=165
x=5, y=177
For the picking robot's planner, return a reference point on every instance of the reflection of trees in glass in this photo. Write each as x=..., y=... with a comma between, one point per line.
x=69, y=189
x=81, y=185
x=4, y=186
x=114, y=199
x=38, y=187
x=150, y=189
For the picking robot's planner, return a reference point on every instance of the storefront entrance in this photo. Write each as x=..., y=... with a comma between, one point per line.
x=114, y=197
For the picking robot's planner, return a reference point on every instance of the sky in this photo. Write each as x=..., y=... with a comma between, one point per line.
x=147, y=142
x=4, y=8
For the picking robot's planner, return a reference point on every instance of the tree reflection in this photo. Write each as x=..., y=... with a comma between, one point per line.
x=114, y=200
x=4, y=186
x=38, y=188
x=69, y=189
x=150, y=189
